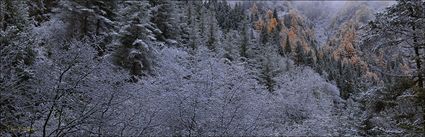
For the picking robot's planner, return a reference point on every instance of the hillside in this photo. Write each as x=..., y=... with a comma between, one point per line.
x=211, y=68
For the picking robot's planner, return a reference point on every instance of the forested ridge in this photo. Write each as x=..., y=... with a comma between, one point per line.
x=211, y=68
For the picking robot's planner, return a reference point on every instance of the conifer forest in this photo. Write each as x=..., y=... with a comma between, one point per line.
x=212, y=68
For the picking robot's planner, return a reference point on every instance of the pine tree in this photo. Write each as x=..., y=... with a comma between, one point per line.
x=41, y=10
x=222, y=11
x=211, y=38
x=402, y=20
x=400, y=30
x=136, y=38
x=203, y=23
x=288, y=48
x=299, y=54
x=267, y=75
x=184, y=21
x=287, y=21
x=245, y=39
x=276, y=38
x=212, y=41
x=87, y=18
x=281, y=51
x=193, y=22
x=275, y=15
x=308, y=59
x=278, y=27
x=164, y=18
x=264, y=35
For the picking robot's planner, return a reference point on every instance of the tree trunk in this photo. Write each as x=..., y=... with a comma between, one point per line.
x=46, y=121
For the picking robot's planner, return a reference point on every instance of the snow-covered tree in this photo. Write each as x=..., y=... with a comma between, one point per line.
x=245, y=41
x=287, y=46
x=399, y=30
x=136, y=38
x=17, y=101
x=86, y=18
x=208, y=68
x=79, y=91
x=13, y=14
x=16, y=56
x=396, y=32
x=165, y=18
x=41, y=10
x=212, y=37
x=299, y=54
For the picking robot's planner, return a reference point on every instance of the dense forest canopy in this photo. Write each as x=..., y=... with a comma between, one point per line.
x=212, y=68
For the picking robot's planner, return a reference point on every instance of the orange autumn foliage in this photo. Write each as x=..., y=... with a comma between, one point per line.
x=294, y=18
x=269, y=14
x=346, y=45
x=254, y=9
x=259, y=24
x=355, y=60
x=272, y=25
x=305, y=46
x=347, y=40
x=292, y=36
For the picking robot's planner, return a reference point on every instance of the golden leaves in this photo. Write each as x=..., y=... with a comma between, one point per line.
x=270, y=14
x=292, y=34
x=254, y=9
x=272, y=24
x=345, y=45
x=259, y=24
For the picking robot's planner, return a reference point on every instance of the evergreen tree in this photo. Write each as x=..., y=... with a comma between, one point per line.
x=277, y=29
x=204, y=18
x=287, y=21
x=193, y=22
x=245, y=39
x=267, y=75
x=275, y=15
x=281, y=51
x=87, y=18
x=276, y=38
x=164, y=18
x=212, y=41
x=287, y=48
x=308, y=59
x=231, y=45
x=223, y=14
x=299, y=54
x=264, y=35
x=402, y=20
x=400, y=30
x=41, y=10
x=184, y=25
x=136, y=38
